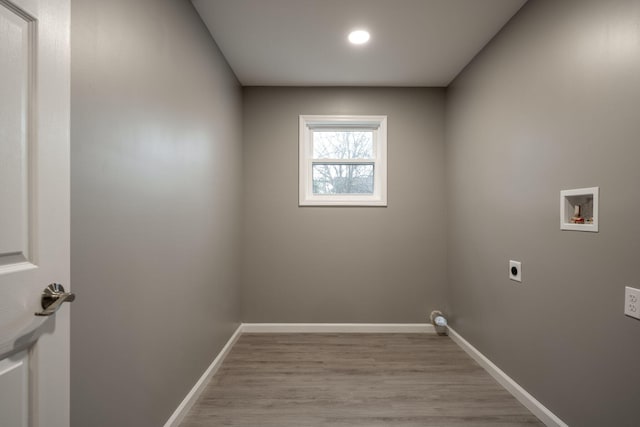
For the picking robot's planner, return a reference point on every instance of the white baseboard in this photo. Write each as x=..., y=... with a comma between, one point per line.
x=338, y=328
x=530, y=402
x=178, y=415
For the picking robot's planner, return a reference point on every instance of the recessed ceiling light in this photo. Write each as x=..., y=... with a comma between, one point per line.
x=359, y=37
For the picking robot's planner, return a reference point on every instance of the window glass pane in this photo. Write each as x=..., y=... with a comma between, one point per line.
x=346, y=144
x=343, y=179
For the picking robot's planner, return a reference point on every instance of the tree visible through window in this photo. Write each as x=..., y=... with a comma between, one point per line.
x=330, y=177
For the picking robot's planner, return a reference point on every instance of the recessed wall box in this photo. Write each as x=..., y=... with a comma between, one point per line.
x=579, y=209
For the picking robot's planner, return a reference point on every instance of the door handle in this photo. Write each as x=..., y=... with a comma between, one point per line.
x=52, y=298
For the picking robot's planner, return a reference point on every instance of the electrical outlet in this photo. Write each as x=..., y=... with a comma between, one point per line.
x=632, y=302
x=515, y=271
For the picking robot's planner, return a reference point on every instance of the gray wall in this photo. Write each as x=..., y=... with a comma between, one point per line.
x=343, y=264
x=552, y=103
x=156, y=178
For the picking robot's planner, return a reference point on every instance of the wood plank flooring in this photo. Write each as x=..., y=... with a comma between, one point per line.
x=353, y=380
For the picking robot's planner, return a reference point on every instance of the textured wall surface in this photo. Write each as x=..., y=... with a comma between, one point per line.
x=156, y=183
x=343, y=264
x=551, y=104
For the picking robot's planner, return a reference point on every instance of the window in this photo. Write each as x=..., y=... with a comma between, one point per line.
x=343, y=161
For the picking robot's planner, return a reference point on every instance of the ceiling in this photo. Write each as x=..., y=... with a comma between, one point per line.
x=304, y=42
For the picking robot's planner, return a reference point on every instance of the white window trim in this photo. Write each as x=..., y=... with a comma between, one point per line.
x=379, y=125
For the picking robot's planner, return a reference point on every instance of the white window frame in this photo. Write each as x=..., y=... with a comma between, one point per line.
x=308, y=123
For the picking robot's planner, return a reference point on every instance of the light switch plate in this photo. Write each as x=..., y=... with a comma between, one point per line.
x=515, y=271
x=632, y=302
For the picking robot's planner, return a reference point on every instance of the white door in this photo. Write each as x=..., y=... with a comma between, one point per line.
x=34, y=211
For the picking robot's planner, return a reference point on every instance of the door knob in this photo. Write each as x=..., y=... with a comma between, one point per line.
x=52, y=298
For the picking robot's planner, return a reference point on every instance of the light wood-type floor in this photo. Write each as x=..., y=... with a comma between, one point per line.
x=353, y=380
